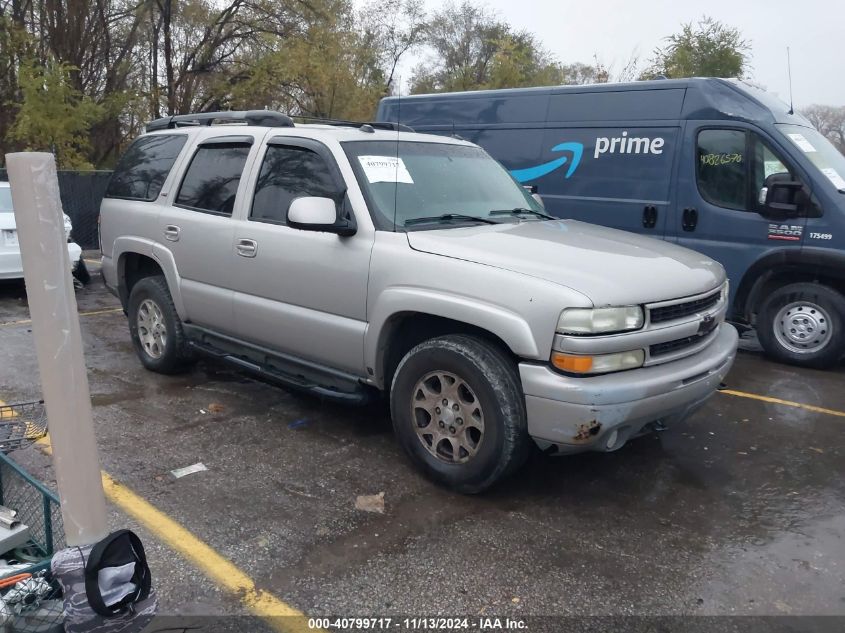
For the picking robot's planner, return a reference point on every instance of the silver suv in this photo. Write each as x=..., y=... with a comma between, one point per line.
x=356, y=259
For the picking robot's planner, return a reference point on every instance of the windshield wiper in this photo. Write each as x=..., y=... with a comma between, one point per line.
x=448, y=216
x=522, y=210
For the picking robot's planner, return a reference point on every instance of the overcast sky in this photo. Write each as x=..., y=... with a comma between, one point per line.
x=575, y=30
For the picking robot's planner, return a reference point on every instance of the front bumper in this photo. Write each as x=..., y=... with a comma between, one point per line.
x=11, y=266
x=603, y=412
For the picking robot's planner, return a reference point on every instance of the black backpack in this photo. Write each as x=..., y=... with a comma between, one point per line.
x=116, y=574
x=106, y=587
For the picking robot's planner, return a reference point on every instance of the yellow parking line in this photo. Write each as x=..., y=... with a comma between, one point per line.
x=277, y=613
x=82, y=314
x=788, y=403
x=96, y=262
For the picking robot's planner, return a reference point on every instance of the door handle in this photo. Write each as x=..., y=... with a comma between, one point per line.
x=246, y=247
x=689, y=219
x=650, y=216
x=171, y=232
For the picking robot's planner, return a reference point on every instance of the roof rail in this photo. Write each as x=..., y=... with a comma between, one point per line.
x=261, y=118
x=379, y=125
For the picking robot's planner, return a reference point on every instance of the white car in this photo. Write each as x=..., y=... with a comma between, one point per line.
x=11, y=266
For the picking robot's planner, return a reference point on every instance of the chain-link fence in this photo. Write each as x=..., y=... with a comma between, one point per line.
x=81, y=192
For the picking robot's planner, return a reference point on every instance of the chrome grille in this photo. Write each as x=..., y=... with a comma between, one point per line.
x=670, y=347
x=681, y=310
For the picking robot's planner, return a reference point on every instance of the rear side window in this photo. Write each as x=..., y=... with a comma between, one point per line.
x=288, y=173
x=721, y=168
x=212, y=178
x=141, y=172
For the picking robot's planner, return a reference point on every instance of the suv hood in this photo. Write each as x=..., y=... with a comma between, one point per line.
x=609, y=266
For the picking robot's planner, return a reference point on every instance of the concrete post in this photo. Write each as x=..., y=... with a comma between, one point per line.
x=58, y=344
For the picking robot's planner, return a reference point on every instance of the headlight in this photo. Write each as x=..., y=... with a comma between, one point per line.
x=600, y=320
x=600, y=364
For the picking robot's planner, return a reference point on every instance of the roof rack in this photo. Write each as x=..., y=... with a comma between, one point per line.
x=261, y=118
x=378, y=125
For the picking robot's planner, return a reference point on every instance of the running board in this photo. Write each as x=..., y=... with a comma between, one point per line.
x=281, y=369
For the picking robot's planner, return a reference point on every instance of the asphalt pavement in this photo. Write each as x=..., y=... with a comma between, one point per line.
x=738, y=511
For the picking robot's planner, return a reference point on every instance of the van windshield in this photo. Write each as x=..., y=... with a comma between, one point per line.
x=423, y=183
x=821, y=152
x=5, y=199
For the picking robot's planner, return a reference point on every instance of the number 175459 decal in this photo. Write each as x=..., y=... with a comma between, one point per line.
x=821, y=236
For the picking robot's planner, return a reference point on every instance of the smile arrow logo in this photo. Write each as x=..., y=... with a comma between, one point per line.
x=532, y=173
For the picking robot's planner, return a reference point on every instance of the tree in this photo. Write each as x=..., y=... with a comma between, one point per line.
x=471, y=49
x=54, y=116
x=706, y=49
x=830, y=121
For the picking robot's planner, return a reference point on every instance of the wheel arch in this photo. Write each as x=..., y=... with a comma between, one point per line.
x=143, y=259
x=394, y=331
x=783, y=267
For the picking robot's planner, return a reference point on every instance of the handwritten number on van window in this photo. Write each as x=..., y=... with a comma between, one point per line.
x=714, y=160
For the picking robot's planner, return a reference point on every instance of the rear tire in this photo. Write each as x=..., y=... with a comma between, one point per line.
x=156, y=329
x=459, y=412
x=803, y=324
x=80, y=272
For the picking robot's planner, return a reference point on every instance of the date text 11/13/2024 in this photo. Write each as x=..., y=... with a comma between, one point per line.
x=418, y=624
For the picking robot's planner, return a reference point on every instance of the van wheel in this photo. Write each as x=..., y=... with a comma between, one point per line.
x=803, y=324
x=458, y=411
x=155, y=327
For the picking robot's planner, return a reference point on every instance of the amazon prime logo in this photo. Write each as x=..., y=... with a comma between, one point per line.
x=576, y=150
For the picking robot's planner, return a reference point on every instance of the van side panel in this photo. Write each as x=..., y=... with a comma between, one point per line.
x=611, y=175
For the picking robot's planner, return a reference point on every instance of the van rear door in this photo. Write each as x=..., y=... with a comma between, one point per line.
x=718, y=211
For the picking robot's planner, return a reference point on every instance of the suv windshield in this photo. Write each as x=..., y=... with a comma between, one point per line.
x=820, y=151
x=411, y=185
x=5, y=199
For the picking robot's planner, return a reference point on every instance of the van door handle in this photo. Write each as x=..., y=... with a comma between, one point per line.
x=650, y=216
x=171, y=232
x=247, y=248
x=689, y=219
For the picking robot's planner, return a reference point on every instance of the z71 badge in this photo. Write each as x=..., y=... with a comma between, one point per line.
x=786, y=232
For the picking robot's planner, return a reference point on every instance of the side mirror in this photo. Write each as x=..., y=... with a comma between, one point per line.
x=779, y=199
x=310, y=213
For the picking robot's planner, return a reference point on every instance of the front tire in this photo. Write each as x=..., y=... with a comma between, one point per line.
x=459, y=412
x=803, y=324
x=155, y=327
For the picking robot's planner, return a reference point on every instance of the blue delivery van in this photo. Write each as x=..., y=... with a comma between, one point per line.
x=715, y=165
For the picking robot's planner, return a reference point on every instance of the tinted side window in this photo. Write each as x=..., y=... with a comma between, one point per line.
x=721, y=167
x=211, y=182
x=288, y=173
x=142, y=170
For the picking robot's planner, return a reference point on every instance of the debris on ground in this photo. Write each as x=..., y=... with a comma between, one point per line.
x=296, y=424
x=188, y=470
x=216, y=407
x=370, y=503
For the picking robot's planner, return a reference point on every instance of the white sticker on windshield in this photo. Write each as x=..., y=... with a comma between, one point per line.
x=834, y=177
x=802, y=142
x=385, y=169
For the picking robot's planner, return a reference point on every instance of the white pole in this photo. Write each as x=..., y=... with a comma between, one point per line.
x=58, y=344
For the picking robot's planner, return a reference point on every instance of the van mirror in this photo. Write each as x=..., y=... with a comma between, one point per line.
x=312, y=213
x=780, y=199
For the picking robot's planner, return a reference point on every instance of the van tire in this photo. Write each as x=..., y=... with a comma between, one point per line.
x=825, y=319
x=488, y=380
x=175, y=355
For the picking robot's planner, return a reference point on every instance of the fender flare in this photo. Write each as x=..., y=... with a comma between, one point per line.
x=155, y=251
x=808, y=260
x=505, y=324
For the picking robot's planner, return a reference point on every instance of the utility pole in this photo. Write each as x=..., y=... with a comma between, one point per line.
x=58, y=344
